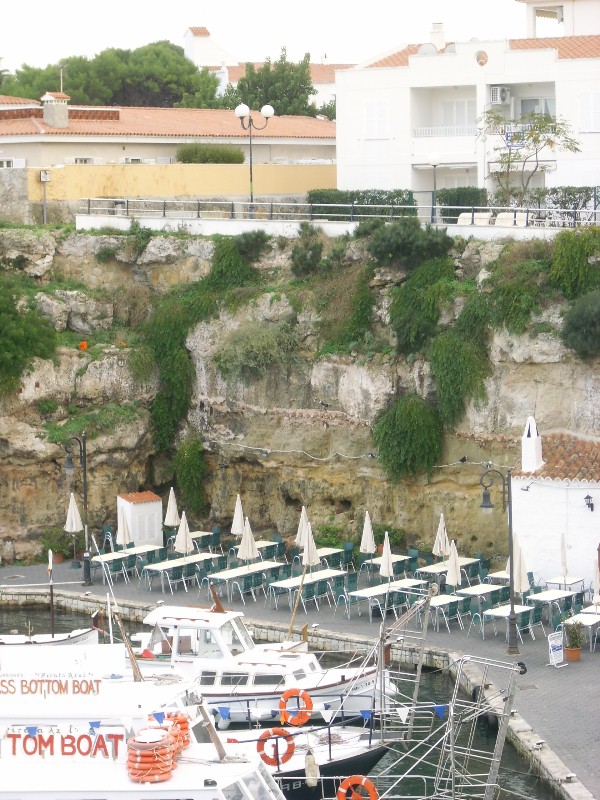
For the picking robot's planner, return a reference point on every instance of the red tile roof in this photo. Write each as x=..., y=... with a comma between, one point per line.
x=319, y=73
x=199, y=31
x=6, y=99
x=567, y=458
x=140, y=497
x=167, y=122
x=566, y=46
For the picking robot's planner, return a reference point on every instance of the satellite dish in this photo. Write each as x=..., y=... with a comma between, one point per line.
x=427, y=49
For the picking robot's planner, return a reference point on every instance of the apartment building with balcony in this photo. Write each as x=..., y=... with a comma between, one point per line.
x=409, y=119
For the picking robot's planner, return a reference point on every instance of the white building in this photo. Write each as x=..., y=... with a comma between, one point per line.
x=203, y=51
x=556, y=491
x=409, y=119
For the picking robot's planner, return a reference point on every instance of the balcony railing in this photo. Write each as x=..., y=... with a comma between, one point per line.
x=445, y=131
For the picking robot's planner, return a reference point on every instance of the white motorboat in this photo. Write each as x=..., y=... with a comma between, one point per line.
x=76, y=636
x=243, y=681
x=73, y=727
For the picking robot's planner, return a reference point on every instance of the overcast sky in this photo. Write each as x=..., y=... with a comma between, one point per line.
x=345, y=31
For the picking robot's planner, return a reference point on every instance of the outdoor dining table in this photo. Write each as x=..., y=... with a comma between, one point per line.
x=594, y=609
x=479, y=590
x=290, y=585
x=119, y=555
x=260, y=545
x=501, y=577
x=381, y=589
x=227, y=576
x=591, y=621
x=565, y=581
x=162, y=567
x=436, y=571
x=438, y=603
x=502, y=612
x=326, y=552
x=550, y=597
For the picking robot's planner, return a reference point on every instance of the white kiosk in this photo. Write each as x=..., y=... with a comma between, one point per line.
x=143, y=512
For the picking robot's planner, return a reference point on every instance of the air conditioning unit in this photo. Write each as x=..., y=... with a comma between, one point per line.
x=499, y=95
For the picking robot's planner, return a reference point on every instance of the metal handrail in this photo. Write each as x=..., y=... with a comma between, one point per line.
x=181, y=210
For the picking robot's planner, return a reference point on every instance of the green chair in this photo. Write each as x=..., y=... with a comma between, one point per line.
x=308, y=595
x=348, y=556
x=244, y=585
x=174, y=577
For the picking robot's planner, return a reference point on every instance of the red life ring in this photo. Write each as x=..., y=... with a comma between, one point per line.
x=353, y=783
x=274, y=733
x=304, y=712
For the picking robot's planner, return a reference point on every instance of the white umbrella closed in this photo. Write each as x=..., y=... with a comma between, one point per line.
x=73, y=523
x=367, y=542
x=172, y=516
x=453, y=574
x=441, y=545
x=387, y=565
x=183, y=541
x=520, y=579
x=302, y=528
x=310, y=557
x=237, y=526
x=123, y=534
x=248, y=550
x=596, y=597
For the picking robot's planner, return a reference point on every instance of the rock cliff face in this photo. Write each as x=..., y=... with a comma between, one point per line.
x=286, y=440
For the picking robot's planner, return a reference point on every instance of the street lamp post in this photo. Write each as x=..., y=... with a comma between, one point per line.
x=242, y=112
x=70, y=469
x=486, y=505
x=434, y=196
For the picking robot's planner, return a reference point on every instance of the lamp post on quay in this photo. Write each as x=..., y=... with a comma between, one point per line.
x=486, y=504
x=70, y=469
x=242, y=112
x=434, y=166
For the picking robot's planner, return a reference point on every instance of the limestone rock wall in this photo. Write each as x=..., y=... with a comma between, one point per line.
x=286, y=440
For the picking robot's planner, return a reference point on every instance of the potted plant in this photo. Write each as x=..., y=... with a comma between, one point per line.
x=60, y=542
x=573, y=633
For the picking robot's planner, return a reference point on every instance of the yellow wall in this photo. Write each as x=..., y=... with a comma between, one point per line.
x=73, y=182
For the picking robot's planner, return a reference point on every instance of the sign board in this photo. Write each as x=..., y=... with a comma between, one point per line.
x=556, y=650
x=45, y=175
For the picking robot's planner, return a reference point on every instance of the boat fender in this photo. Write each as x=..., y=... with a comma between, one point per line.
x=354, y=781
x=147, y=653
x=275, y=733
x=299, y=716
x=311, y=769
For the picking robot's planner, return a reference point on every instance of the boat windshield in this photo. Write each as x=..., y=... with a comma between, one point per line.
x=236, y=636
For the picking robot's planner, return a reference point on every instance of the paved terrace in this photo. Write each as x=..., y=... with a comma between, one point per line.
x=559, y=706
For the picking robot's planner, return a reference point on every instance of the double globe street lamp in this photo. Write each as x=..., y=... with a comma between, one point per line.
x=247, y=122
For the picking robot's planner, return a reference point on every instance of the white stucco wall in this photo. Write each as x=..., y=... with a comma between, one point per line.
x=541, y=514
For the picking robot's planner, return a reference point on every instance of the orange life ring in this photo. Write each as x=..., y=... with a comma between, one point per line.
x=299, y=716
x=274, y=733
x=353, y=783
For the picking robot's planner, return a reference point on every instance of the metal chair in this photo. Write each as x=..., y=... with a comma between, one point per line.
x=269, y=552
x=115, y=568
x=280, y=552
x=107, y=537
x=189, y=573
x=536, y=619
x=336, y=586
x=523, y=624
x=174, y=577
x=348, y=556
x=244, y=586
x=202, y=578
x=258, y=583
x=215, y=541
x=307, y=595
x=322, y=592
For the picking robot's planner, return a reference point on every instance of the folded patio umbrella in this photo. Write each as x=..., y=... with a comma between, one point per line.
x=247, y=550
x=172, y=516
x=237, y=526
x=123, y=534
x=183, y=541
x=367, y=542
x=387, y=566
x=441, y=545
x=596, y=597
x=520, y=579
x=73, y=523
x=453, y=574
x=302, y=528
x=563, y=555
x=310, y=556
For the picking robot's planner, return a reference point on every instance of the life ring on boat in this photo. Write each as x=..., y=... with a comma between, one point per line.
x=299, y=716
x=274, y=733
x=354, y=782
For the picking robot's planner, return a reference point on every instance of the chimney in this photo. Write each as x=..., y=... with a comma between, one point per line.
x=531, y=447
x=437, y=35
x=56, y=111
